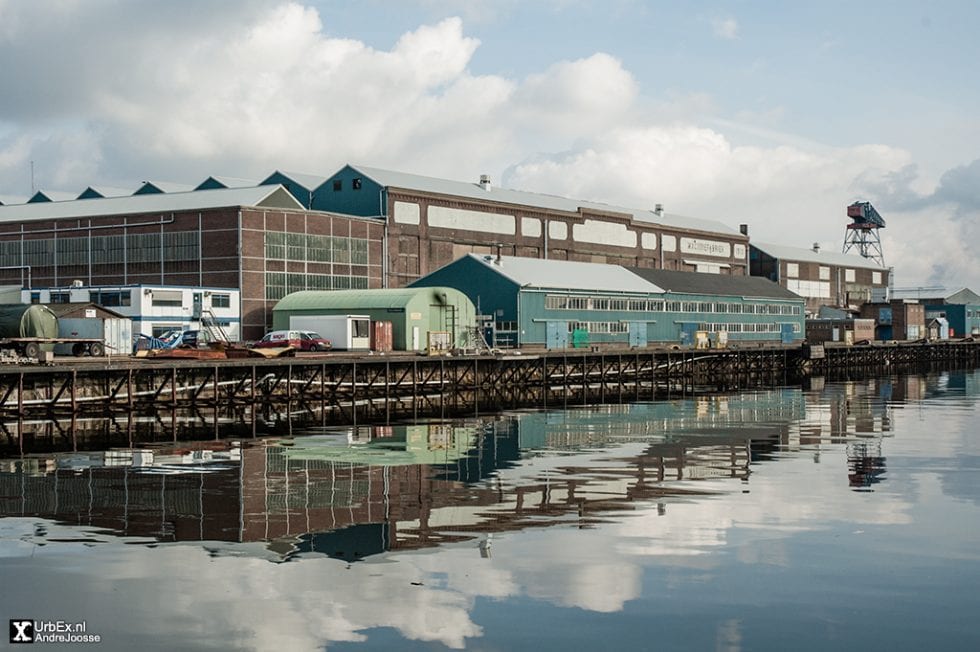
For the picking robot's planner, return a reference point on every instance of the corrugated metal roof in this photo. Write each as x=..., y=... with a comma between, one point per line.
x=354, y=300
x=230, y=182
x=309, y=181
x=389, y=178
x=51, y=196
x=567, y=275
x=165, y=186
x=810, y=256
x=7, y=200
x=105, y=191
x=714, y=284
x=263, y=196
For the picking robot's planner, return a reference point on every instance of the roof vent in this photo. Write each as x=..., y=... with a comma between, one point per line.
x=658, y=209
x=485, y=182
x=77, y=283
x=816, y=247
x=743, y=229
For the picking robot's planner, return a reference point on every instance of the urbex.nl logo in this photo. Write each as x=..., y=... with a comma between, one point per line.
x=21, y=631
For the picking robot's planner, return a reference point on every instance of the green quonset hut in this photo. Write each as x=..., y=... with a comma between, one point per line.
x=413, y=312
x=546, y=302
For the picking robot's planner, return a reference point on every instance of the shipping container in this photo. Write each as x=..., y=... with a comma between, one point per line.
x=381, y=336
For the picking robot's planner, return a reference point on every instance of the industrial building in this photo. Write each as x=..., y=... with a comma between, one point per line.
x=531, y=302
x=960, y=309
x=897, y=319
x=432, y=222
x=414, y=313
x=823, y=278
x=259, y=241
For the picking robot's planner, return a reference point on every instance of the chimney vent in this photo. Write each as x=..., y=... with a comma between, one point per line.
x=743, y=229
x=816, y=247
x=658, y=209
x=485, y=182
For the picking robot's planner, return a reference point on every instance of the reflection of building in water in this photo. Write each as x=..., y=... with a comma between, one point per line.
x=865, y=463
x=357, y=492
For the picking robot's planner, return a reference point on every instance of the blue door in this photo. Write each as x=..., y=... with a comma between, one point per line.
x=557, y=335
x=638, y=333
x=787, y=333
x=687, y=333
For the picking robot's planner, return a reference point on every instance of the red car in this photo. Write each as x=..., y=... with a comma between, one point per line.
x=299, y=340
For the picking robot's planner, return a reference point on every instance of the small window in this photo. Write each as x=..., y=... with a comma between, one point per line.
x=849, y=275
x=221, y=301
x=792, y=270
x=824, y=273
x=35, y=297
x=338, y=185
x=356, y=183
x=876, y=278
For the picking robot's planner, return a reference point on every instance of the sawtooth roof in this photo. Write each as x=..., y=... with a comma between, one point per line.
x=262, y=196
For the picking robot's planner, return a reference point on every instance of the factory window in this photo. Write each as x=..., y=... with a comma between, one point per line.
x=356, y=183
x=673, y=306
x=735, y=308
x=35, y=297
x=60, y=297
x=792, y=270
x=705, y=307
x=848, y=275
x=824, y=273
x=221, y=301
x=275, y=245
x=876, y=278
x=689, y=306
x=655, y=305
x=338, y=185
x=600, y=304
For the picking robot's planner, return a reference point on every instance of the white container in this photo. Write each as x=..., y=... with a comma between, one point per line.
x=345, y=332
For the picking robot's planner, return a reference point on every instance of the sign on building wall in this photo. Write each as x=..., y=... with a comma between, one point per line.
x=706, y=247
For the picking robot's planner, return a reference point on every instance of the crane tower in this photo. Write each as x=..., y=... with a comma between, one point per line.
x=862, y=232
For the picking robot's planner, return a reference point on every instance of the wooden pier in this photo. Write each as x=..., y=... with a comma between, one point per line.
x=342, y=390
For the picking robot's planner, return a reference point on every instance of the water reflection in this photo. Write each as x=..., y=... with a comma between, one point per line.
x=661, y=509
x=354, y=492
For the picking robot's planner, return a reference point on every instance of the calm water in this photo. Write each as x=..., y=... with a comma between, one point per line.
x=844, y=516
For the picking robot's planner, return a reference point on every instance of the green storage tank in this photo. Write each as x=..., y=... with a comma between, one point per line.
x=26, y=320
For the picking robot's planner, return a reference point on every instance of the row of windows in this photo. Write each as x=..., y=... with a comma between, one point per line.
x=736, y=327
x=613, y=327
x=116, y=298
x=619, y=304
x=599, y=326
x=279, y=284
x=101, y=249
x=302, y=247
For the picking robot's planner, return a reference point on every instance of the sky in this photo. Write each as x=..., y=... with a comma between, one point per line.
x=776, y=115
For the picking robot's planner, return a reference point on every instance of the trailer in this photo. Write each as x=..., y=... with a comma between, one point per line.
x=31, y=347
x=345, y=332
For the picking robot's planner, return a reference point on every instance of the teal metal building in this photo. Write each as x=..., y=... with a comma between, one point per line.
x=558, y=303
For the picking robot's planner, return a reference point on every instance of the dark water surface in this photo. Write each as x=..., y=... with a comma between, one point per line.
x=846, y=516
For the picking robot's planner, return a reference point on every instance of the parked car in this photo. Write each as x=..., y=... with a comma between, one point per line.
x=299, y=340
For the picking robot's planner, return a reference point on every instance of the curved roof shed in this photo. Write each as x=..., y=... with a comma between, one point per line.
x=413, y=312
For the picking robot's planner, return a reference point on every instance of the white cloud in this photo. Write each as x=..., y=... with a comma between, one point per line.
x=726, y=28
x=108, y=92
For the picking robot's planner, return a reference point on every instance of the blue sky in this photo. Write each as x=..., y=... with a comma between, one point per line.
x=773, y=114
